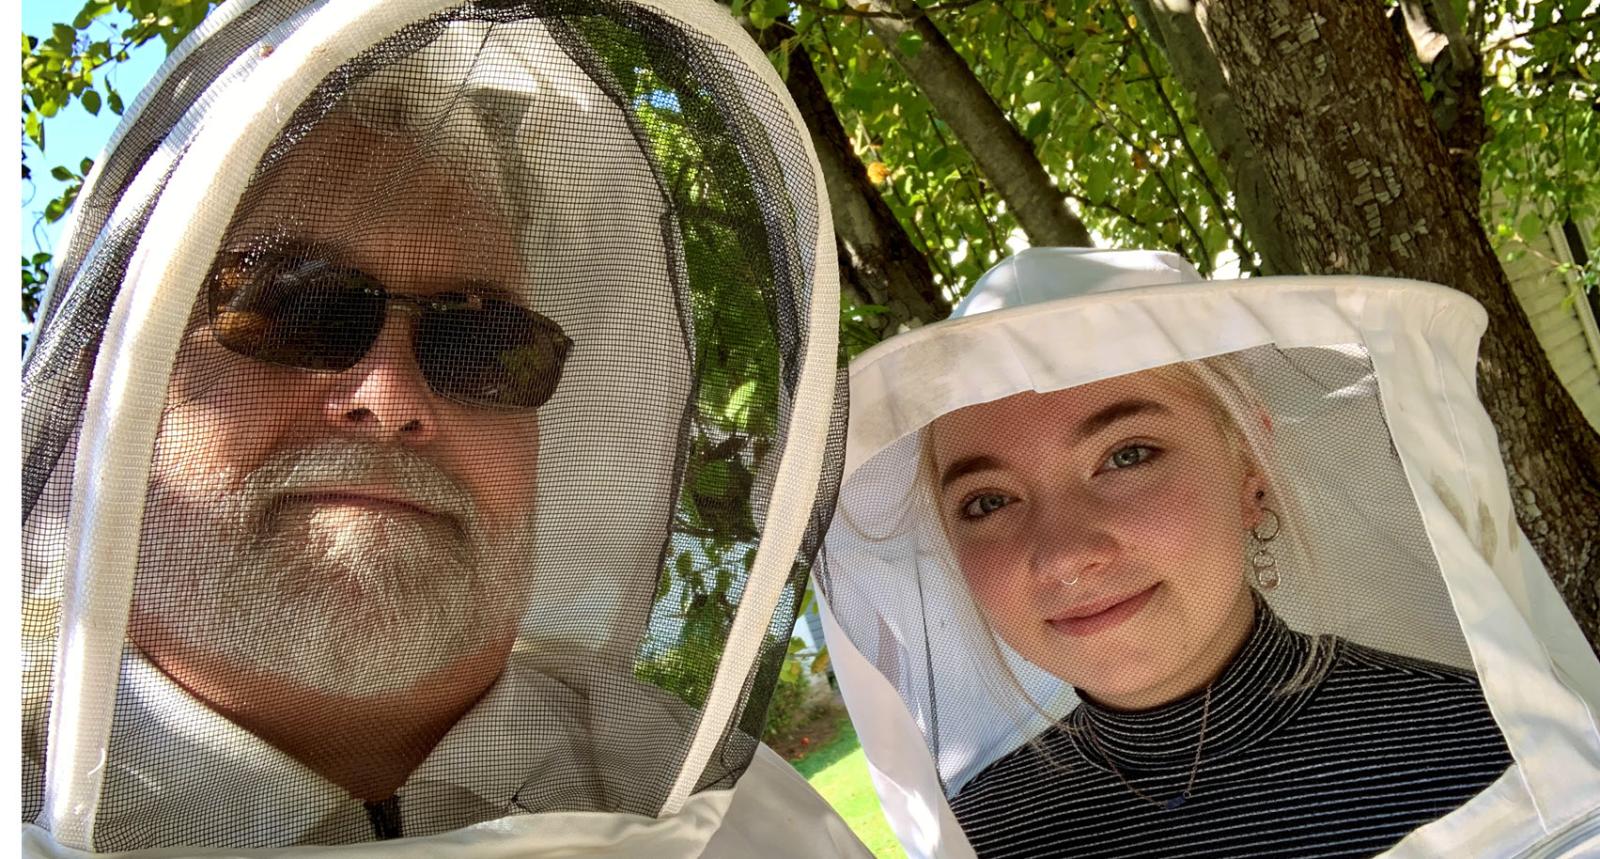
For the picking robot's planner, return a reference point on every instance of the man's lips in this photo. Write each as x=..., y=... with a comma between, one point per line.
x=1102, y=614
x=379, y=502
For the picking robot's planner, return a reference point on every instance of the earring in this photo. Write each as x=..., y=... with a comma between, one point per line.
x=1261, y=559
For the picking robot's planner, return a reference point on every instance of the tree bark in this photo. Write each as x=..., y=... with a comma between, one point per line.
x=1174, y=29
x=1325, y=93
x=1455, y=69
x=1004, y=156
x=878, y=262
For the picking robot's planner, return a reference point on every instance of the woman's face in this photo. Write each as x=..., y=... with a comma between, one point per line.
x=1103, y=531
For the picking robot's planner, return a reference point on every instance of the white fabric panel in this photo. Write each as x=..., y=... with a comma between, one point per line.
x=772, y=812
x=907, y=785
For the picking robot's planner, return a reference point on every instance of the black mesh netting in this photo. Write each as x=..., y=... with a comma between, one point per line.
x=469, y=444
x=1191, y=610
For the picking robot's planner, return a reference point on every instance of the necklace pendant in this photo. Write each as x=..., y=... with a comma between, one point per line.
x=1176, y=800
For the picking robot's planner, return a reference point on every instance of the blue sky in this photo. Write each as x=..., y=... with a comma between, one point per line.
x=74, y=134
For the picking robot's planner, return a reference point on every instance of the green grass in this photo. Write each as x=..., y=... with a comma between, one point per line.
x=838, y=770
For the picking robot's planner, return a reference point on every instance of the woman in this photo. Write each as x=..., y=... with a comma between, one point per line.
x=1169, y=590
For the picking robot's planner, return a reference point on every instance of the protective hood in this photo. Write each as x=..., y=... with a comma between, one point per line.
x=427, y=437
x=1103, y=474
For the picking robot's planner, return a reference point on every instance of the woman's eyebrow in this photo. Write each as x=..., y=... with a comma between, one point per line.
x=1116, y=412
x=963, y=467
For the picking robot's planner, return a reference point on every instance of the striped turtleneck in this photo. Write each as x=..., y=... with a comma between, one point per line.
x=1326, y=750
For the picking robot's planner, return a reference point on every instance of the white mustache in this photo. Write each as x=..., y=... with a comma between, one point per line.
x=341, y=465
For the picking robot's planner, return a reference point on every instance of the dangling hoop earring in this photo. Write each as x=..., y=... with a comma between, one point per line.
x=1261, y=559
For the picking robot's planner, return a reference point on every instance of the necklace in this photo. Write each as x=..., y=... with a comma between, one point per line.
x=1181, y=796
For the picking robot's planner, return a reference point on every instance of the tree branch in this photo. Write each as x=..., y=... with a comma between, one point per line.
x=1001, y=153
x=1106, y=120
x=1553, y=25
x=878, y=259
x=1189, y=54
x=1246, y=257
x=896, y=14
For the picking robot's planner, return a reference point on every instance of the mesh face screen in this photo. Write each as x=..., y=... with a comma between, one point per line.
x=467, y=449
x=1127, y=614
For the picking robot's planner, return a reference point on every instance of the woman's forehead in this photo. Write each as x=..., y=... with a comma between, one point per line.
x=1055, y=415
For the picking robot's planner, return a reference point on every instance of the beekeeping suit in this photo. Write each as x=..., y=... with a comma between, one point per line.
x=1381, y=562
x=425, y=443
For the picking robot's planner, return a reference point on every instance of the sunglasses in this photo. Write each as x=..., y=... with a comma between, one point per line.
x=296, y=309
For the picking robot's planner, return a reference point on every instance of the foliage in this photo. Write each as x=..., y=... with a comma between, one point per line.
x=1083, y=82
x=1542, y=104
x=35, y=273
x=794, y=696
x=728, y=260
x=1086, y=88
x=62, y=68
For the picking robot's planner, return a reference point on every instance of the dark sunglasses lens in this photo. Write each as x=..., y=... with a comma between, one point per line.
x=495, y=354
x=307, y=314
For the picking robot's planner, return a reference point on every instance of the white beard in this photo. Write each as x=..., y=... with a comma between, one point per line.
x=345, y=601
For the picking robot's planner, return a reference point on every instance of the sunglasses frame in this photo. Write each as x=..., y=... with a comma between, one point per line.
x=256, y=272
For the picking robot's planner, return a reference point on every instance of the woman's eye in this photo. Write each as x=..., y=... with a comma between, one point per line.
x=1127, y=457
x=982, y=505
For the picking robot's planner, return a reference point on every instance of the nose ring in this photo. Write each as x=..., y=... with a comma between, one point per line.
x=1068, y=584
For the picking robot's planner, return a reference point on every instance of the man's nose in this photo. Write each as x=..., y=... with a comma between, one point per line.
x=1069, y=545
x=385, y=397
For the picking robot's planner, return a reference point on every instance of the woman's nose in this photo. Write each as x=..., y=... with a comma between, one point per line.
x=1069, y=546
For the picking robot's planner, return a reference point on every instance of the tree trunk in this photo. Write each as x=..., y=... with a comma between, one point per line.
x=878, y=262
x=1175, y=30
x=1001, y=152
x=1338, y=120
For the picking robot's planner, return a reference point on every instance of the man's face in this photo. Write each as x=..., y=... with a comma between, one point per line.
x=348, y=532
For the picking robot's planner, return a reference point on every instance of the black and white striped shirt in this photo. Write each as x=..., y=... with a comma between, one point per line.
x=1346, y=766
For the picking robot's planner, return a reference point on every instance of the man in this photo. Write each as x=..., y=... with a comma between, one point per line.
x=413, y=481
x=331, y=558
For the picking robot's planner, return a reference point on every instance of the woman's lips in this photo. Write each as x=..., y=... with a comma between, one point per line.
x=1092, y=618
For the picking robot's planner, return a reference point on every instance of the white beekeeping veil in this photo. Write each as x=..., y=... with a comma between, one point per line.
x=1344, y=406
x=427, y=438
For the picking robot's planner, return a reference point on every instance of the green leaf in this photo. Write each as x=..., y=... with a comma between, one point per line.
x=1040, y=91
x=114, y=101
x=739, y=404
x=89, y=13
x=91, y=102
x=1038, y=124
x=910, y=44
x=34, y=129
